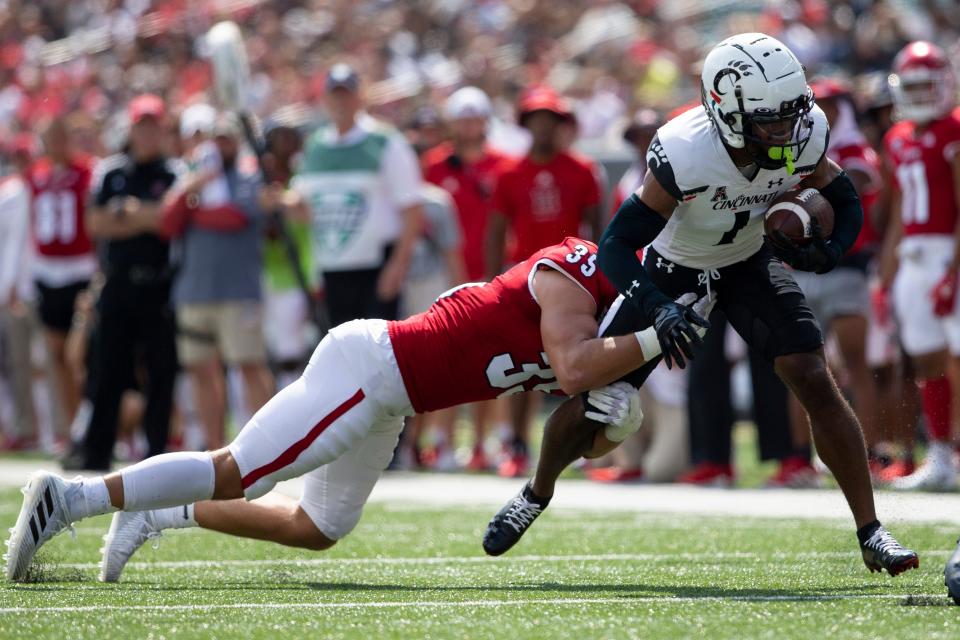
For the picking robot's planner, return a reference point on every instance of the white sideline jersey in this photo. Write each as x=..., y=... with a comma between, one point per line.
x=719, y=220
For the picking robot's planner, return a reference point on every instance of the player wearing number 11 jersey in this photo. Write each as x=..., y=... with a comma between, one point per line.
x=534, y=327
x=924, y=150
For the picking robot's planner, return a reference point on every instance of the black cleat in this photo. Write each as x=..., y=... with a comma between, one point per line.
x=882, y=551
x=510, y=523
x=951, y=575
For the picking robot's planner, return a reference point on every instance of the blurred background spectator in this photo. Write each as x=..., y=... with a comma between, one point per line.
x=64, y=260
x=361, y=183
x=16, y=293
x=287, y=255
x=215, y=214
x=132, y=336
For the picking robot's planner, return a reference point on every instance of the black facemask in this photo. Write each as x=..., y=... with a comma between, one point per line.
x=773, y=139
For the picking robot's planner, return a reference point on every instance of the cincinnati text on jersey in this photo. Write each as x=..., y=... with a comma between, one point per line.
x=721, y=203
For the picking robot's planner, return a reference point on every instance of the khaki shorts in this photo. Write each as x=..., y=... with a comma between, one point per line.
x=232, y=330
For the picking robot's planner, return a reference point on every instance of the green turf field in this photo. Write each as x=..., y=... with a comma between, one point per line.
x=420, y=573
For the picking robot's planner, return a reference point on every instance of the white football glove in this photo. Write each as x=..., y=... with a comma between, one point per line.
x=704, y=307
x=617, y=406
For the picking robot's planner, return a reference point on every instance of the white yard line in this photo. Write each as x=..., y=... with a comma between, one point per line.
x=707, y=557
x=624, y=601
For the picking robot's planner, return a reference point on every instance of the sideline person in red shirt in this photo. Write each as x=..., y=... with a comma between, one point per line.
x=468, y=168
x=546, y=195
x=541, y=198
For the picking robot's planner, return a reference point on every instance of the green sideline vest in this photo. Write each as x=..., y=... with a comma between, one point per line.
x=352, y=218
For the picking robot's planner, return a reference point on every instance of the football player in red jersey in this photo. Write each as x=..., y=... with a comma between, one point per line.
x=533, y=328
x=64, y=259
x=921, y=257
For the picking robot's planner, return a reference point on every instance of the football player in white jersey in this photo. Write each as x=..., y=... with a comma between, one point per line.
x=712, y=173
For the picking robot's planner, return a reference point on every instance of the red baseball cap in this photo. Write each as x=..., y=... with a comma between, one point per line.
x=828, y=88
x=543, y=99
x=146, y=105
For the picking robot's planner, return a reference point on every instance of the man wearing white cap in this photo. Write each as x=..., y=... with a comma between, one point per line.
x=468, y=168
x=196, y=125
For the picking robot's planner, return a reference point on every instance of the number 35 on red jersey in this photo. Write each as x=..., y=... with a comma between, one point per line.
x=480, y=341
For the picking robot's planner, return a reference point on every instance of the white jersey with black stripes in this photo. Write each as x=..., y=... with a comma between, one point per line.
x=719, y=220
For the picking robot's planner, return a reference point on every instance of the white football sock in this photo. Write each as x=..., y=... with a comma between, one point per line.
x=168, y=480
x=174, y=517
x=87, y=497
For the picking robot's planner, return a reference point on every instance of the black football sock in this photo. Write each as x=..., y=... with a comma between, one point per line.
x=530, y=496
x=867, y=530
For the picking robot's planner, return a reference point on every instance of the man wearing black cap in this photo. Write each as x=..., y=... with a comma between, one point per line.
x=360, y=180
x=134, y=308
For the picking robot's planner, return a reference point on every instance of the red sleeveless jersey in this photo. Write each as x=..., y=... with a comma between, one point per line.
x=482, y=341
x=921, y=162
x=58, y=204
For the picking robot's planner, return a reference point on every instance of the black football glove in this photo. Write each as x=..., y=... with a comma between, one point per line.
x=820, y=256
x=673, y=323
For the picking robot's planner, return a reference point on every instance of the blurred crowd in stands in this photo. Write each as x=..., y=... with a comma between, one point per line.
x=155, y=291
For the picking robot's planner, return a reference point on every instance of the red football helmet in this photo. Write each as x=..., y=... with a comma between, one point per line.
x=922, y=83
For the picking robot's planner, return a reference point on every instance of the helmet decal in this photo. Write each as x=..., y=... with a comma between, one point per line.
x=736, y=68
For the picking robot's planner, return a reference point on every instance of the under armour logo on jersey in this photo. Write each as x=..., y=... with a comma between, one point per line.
x=719, y=194
x=663, y=264
x=772, y=183
x=629, y=292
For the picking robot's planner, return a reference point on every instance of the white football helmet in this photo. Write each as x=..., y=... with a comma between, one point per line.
x=755, y=91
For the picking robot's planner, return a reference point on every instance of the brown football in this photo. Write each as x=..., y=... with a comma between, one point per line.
x=793, y=212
